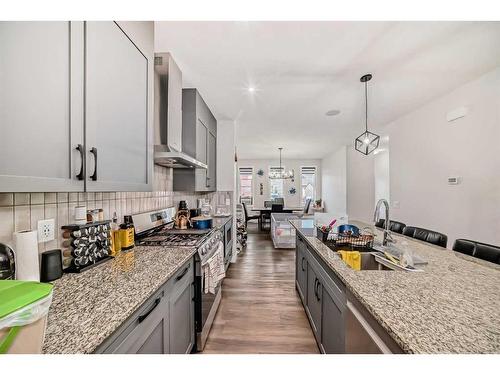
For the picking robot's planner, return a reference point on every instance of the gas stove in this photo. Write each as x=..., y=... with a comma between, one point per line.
x=156, y=229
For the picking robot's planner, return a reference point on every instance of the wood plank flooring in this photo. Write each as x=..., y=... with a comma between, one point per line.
x=260, y=310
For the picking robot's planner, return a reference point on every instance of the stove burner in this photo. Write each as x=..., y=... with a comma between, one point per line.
x=167, y=239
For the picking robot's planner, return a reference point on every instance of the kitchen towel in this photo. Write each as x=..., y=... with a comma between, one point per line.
x=26, y=252
x=214, y=270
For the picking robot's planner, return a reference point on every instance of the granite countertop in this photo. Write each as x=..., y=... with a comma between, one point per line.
x=451, y=307
x=88, y=307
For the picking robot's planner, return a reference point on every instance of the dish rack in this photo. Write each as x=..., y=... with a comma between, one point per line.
x=347, y=240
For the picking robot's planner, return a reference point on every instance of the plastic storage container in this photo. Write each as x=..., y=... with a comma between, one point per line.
x=282, y=232
x=23, y=314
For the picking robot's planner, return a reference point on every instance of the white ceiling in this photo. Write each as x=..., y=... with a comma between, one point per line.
x=303, y=69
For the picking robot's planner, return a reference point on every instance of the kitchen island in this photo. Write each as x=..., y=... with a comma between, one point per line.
x=88, y=308
x=451, y=307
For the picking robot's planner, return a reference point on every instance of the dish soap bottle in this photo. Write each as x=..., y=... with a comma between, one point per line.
x=115, y=236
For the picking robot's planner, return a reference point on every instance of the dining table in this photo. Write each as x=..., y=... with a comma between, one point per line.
x=263, y=211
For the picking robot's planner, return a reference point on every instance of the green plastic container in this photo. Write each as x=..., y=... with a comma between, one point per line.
x=23, y=309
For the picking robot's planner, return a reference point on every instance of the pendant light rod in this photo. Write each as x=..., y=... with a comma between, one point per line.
x=365, y=79
x=280, y=148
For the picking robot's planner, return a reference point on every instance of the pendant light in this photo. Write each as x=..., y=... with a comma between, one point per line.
x=368, y=141
x=282, y=175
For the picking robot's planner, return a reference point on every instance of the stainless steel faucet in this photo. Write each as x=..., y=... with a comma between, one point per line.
x=387, y=235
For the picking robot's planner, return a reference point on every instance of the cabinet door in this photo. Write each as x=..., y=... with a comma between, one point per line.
x=301, y=272
x=201, y=154
x=182, y=314
x=313, y=307
x=117, y=95
x=41, y=103
x=332, y=324
x=212, y=162
x=150, y=332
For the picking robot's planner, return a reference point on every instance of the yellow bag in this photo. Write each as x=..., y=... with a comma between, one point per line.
x=351, y=258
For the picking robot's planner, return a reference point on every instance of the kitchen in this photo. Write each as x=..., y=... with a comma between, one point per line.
x=167, y=211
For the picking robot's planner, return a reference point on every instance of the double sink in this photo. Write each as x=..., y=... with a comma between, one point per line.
x=374, y=259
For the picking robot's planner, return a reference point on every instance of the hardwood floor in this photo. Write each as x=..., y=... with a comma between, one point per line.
x=260, y=310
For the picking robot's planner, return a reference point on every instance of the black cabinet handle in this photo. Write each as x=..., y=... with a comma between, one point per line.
x=155, y=305
x=182, y=274
x=79, y=176
x=315, y=287
x=194, y=292
x=302, y=266
x=317, y=291
x=93, y=150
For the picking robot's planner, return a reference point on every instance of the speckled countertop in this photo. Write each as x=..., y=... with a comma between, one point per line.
x=451, y=307
x=219, y=221
x=88, y=307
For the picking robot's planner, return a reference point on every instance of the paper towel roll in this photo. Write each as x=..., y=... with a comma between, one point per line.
x=26, y=247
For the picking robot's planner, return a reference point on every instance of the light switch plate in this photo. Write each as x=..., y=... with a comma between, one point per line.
x=45, y=230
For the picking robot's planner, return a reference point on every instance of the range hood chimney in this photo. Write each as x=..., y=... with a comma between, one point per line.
x=168, y=115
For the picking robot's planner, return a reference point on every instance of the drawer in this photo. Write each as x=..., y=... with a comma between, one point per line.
x=184, y=275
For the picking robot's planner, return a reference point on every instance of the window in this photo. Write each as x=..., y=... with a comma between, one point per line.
x=308, y=183
x=276, y=186
x=246, y=185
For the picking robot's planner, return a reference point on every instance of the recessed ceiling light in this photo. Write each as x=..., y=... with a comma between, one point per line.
x=332, y=112
x=251, y=89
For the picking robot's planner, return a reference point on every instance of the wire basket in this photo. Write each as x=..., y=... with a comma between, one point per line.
x=363, y=240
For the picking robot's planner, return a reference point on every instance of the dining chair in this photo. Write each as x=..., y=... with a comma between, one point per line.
x=249, y=217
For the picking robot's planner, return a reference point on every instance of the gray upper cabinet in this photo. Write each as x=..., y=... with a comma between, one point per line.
x=41, y=119
x=199, y=140
x=117, y=93
x=73, y=96
x=212, y=162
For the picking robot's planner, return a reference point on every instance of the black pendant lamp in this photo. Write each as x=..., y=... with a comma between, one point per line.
x=368, y=141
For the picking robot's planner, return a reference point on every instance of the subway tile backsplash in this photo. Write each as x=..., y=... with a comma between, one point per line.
x=21, y=211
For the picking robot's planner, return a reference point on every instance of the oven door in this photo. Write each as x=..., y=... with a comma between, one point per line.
x=206, y=305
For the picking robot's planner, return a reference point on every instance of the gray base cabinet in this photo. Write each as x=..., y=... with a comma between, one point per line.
x=301, y=269
x=340, y=323
x=163, y=324
x=323, y=297
x=182, y=334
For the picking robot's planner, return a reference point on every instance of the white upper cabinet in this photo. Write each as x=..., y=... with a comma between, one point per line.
x=71, y=91
x=117, y=97
x=41, y=120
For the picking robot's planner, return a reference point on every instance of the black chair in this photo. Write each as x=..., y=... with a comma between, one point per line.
x=307, y=206
x=426, y=235
x=248, y=217
x=279, y=201
x=277, y=208
x=394, y=226
x=479, y=250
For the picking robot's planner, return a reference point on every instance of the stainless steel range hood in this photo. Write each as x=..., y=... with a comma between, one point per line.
x=168, y=116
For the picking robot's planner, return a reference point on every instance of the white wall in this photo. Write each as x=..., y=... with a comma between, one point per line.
x=226, y=143
x=360, y=185
x=333, y=182
x=425, y=150
x=295, y=164
x=381, y=165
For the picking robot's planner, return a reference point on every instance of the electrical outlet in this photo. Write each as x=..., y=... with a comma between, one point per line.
x=46, y=230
